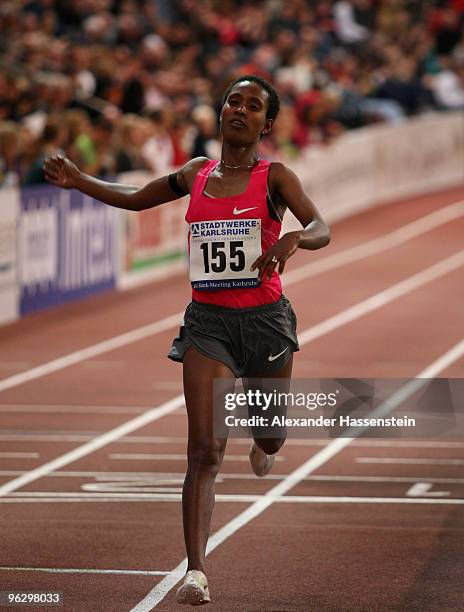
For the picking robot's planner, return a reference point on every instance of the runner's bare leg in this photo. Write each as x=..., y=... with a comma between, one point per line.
x=205, y=452
x=271, y=445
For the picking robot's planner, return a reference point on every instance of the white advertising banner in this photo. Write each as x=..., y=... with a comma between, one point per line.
x=9, y=291
x=339, y=177
x=424, y=154
x=371, y=166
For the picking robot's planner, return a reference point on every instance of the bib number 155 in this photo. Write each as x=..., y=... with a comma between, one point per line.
x=217, y=256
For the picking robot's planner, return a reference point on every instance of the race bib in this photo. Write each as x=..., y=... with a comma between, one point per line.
x=221, y=253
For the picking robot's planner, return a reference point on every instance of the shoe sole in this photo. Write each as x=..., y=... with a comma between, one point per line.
x=193, y=594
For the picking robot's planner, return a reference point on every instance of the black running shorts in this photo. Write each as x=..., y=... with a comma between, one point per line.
x=252, y=342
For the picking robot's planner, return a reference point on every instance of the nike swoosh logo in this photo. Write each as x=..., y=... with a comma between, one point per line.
x=242, y=210
x=274, y=357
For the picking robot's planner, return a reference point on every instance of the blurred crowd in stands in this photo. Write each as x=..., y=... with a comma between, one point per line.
x=121, y=85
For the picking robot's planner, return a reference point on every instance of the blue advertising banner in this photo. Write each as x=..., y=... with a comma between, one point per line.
x=68, y=247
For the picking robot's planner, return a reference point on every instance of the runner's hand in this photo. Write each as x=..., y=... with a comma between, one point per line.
x=277, y=254
x=61, y=171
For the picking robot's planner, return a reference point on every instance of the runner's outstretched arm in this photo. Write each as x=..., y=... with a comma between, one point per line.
x=64, y=173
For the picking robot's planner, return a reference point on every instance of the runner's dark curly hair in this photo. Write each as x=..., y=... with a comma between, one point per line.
x=274, y=101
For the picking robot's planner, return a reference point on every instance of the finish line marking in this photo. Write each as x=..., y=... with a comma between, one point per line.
x=267, y=500
x=409, y=461
x=163, y=477
x=172, y=457
x=69, y=436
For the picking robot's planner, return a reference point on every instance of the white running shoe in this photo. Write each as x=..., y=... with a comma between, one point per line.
x=261, y=464
x=194, y=590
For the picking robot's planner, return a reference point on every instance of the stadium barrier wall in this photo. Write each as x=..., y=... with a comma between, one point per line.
x=57, y=246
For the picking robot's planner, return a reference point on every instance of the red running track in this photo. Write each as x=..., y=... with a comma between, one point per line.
x=355, y=532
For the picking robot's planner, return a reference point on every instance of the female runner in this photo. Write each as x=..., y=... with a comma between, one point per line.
x=238, y=324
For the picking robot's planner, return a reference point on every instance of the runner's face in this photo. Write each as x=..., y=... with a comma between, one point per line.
x=243, y=116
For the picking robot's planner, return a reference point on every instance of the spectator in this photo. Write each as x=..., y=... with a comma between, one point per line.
x=449, y=27
x=347, y=28
x=158, y=150
x=80, y=145
x=9, y=141
x=283, y=132
x=403, y=86
x=448, y=85
x=104, y=162
x=131, y=135
x=205, y=144
x=52, y=141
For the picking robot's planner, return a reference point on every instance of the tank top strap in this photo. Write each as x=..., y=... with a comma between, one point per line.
x=258, y=178
x=201, y=178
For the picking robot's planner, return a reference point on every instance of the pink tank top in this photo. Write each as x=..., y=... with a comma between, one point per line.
x=225, y=236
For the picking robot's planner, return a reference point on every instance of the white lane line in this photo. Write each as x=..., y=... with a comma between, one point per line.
x=71, y=409
x=391, y=240
x=172, y=457
x=383, y=243
x=163, y=477
x=409, y=461
x=384, y=297
x=386, y=479
x=53, y=497
x=56, y=432
x=92, y=351
x=307, y=335
x=55, y=437
x=68, y=570
x=158, y=593
x=86, y=449
x=130, y=487
x=83, y=437
x=108, y=475
x=34, y=436
x=408, y=443
x=19, y=455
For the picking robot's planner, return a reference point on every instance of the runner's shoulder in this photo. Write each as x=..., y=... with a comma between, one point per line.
x=186, y=175
x=279, y=174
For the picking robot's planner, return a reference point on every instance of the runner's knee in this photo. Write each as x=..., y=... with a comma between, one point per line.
x=207, y=454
